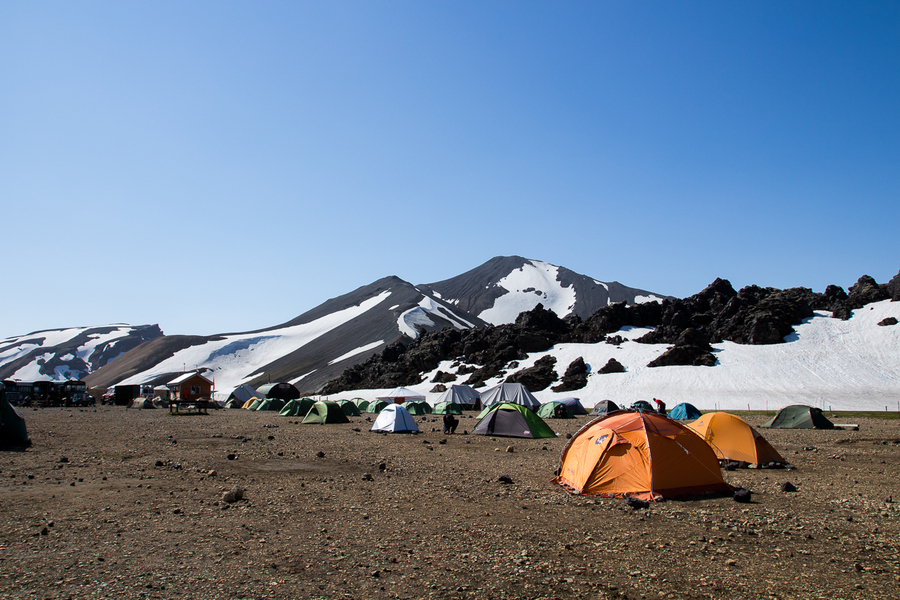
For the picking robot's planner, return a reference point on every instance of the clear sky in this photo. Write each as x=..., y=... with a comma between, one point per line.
x=226, y=166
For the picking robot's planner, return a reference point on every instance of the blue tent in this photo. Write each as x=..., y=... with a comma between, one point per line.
x=684, y=411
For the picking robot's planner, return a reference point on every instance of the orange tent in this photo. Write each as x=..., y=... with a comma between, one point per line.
x=733, y=439
x=640, y=454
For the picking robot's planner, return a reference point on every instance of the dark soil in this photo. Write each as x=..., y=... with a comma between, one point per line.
x=116, y=503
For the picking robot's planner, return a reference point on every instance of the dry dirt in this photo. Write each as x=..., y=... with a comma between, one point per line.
x=116, y=503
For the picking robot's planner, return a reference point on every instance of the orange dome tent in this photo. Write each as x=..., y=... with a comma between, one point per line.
x=640, y=454
x=733, y=439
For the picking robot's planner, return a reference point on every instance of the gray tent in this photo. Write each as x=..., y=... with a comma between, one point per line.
x=515, y=393
x=459, y=394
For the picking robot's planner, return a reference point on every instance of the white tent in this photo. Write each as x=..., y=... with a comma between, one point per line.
x=458, y=394
x=400, y=395
x=509, y=392
x=395, y=419
x=574, y=405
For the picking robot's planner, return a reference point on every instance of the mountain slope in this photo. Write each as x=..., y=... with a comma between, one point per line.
x=307, y=351
x=73, y=353
x=505, y=286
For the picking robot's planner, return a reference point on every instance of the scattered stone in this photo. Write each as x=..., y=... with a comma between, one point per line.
x=63, y=459
x=510, y=449
x=787, y=486
x=636, y=503
x=367, y=477
x=742, y=495
x=505, y=479
x=231, y=456
x=320, y=454
x=160, y=463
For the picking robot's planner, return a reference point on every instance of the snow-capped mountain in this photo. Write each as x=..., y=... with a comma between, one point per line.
x=319, y=344
x=505, y=286
x=61, y=354
x=306, y=351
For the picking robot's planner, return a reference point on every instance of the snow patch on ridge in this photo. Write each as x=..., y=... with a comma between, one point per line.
x=534, y=283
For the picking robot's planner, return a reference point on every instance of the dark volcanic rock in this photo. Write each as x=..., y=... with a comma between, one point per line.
x=893, y=288
x=538, y=377
x=888, y=321
x=575, y=377
x=691, y=348
x=612, y=366
x=866, y=290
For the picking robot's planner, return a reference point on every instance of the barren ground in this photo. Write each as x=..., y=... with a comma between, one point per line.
x=116, y=503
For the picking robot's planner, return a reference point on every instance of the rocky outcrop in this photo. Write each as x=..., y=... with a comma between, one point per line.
x=691, y=348
x=536, y=378
x=753, y=315
x=575, y=377
x=611, y=366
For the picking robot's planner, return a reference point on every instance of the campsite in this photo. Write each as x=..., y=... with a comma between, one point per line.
x=111, y=502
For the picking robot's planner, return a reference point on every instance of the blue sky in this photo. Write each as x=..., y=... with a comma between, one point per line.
x=216, y=167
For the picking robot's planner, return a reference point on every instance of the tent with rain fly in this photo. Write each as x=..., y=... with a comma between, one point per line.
x=447, y=408
x=512, y=420
x=642, y=406
x=251, y=404
x=574, y=405
x=401, y=394
x=376, y=406
x=555, y=410
x=361, y=403
x=13, y=432
x=298, y=407
x=395, y=419
x=271, y=404
x=514, y=393
x=350, y=409
x=798, y=416
x=325, y=411
x=732, y=438
x=605, y=407
x=684, y=412
x=240, y=395
x=281, y=391
x=417, y=408
x=460, y=394
x=641, y=454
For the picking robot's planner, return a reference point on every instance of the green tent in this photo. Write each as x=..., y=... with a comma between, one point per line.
x=377, y=406
x=325, y=411
x=254, y=403
x=360, y=403
x=274, y=404
x=555, y=410
x=417, y=407
x=349, y=408
x=296, y=408
x=12, y=424
x=513, y=420
x=447, y=408
x=798, y=416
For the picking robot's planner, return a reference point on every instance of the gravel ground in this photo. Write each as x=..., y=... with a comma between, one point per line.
x=116, y=503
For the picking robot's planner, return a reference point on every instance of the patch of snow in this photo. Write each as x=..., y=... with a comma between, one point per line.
x=256, y=351
x=533, y=275
x=356, y=351
x=646, y=299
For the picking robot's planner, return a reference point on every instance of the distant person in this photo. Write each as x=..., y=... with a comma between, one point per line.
x=660, y=406
x=450, y=424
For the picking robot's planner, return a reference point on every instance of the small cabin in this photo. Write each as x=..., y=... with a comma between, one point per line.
x=190, y=387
